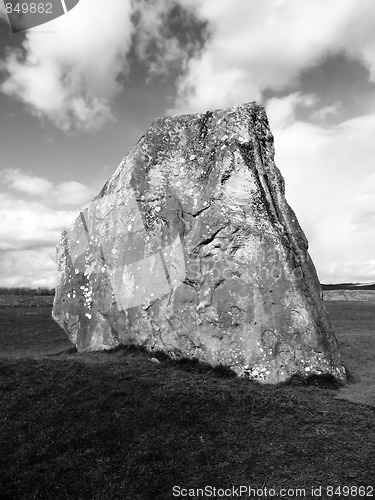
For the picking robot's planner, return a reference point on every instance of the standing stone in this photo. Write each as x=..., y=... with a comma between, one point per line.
x=192, y=249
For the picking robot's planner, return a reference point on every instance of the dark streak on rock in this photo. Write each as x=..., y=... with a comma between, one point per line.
x=247, y=151
x=102, y=191
x=198, y=212
x=203, y=129
x=206, y=241
x=191, y=283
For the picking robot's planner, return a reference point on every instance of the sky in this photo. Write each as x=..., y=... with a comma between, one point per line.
x=76, y=93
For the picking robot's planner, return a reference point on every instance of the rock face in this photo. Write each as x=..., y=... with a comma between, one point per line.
x=191, y=248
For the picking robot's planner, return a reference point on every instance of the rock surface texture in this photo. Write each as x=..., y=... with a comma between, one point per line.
x=192, y=249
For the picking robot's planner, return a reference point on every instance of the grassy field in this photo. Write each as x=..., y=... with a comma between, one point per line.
x=119, y=426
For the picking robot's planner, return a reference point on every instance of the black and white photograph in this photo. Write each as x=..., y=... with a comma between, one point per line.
x=187, y=249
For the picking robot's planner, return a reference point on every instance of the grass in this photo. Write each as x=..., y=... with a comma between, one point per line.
x=118, y=426
x=354, y=324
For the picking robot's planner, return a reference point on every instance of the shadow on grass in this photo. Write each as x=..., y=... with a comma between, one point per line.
x=183, y=363
x=118, y=429
x=64, y=352
x=325, y=381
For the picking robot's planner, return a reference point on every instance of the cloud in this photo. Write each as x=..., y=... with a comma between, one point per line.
x=27, y=224
x=330, y=184
x=25, y=183
x=34, y=268
x=167, y=35
x=326, y=112
x=363, y=203
x=363, y=271
x=283, y=110
x=70, y=74
x=73, y=193
x=256, y=46
x=33, y=213
x=70, y=193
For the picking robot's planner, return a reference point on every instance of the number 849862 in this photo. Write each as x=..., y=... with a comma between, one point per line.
x=28, y=8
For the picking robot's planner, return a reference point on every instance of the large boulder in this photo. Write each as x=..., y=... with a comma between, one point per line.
x=192, y=249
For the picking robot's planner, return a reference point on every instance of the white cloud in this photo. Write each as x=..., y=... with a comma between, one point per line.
x=69, y=193
x=28, y=268
x=363, y=203
x=265, y=45
x=364, y=272
x=33, y=213
x=26, y=224
x=331, y=186
x=73, y=193
x=359, y=38
x=25, y=183
x=283, y=110
x=70, y=75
